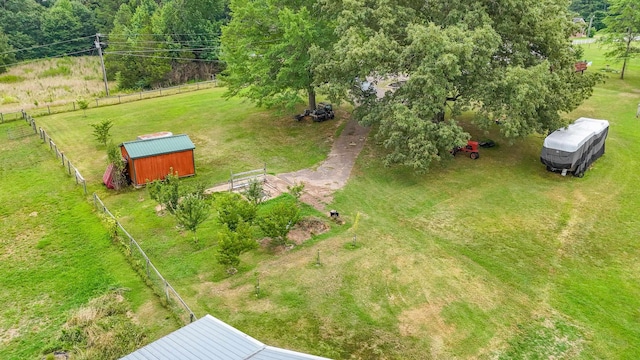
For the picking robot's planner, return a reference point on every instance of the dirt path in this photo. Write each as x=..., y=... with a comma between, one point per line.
x=331, y=175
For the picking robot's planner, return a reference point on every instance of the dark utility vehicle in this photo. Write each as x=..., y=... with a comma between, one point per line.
x=321, y=113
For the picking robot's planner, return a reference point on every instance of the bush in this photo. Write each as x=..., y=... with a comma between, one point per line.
x=101, y=130
x=11, y=79
x=56, y=71
x=278, y=221
x=232, y=210
x=232, y=244
x=166, y=192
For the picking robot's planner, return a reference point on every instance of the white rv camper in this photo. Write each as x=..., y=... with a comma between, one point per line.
x=574, y=148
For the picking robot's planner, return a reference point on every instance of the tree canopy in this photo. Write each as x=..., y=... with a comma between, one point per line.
x=173, y=42
x=266, y=48
x=623, y=27
x=506, y=61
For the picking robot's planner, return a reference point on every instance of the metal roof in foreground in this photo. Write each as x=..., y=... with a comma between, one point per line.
x=209, y=338
x=157, y=146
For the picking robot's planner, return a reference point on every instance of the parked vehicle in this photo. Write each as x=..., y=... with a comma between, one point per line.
x=574, y=148
x=321, y=113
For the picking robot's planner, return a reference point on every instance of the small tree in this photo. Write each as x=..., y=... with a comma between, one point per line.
x=191, y=211
x=277, y=223
x=166, y=192
x=254, y=192
x=114, y=156
x=84, y=105
x=232, y=244
x=233, y=209
x=296, y=190
x=101, y=131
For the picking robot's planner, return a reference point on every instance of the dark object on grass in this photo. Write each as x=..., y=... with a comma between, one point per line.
x=334, y=214
x=321, y=113
x=487, y=143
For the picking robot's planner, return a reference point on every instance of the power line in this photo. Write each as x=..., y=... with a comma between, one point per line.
x=49, y=57
x=164, y=57
x=157, y=50
x=41, y=46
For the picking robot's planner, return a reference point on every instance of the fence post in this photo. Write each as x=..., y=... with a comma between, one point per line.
x=166, y=289
x=69, y=167
x=119, y=99
x=148, y=273
x=62, y=157
x=74, y=105
x=84, y=186
x=49, y=109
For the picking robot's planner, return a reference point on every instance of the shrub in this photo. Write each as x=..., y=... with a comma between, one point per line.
x=166, y=192
x=56, y=71
x=8, y=100
x=11, y=79
x=254, y=192
x=191, y=211
x=232, y=210
x=101, y=130
x=232, y=244
x=277, y=223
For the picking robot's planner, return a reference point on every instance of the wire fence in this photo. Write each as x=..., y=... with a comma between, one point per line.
x=139, y=260
x=64, y=160
x=110, y=100
x=141, y=263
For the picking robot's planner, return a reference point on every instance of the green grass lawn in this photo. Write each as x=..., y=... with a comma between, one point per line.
x=55, y=254
x=493, y=258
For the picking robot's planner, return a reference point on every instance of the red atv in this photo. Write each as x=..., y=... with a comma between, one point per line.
x=471, y=148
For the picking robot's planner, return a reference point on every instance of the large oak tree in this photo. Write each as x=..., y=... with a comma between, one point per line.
x=507, y=61
x=266, y=48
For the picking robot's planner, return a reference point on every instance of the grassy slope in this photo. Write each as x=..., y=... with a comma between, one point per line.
x=50, y=82
x=487, y=258
x=229, y=135
x=55, y=254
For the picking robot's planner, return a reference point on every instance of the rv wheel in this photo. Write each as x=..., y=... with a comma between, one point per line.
x=580, y=174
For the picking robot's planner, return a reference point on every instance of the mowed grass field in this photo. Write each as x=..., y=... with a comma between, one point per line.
x=493, y=258
x=55, y=254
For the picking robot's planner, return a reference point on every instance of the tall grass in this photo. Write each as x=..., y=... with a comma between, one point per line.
x=51, y=82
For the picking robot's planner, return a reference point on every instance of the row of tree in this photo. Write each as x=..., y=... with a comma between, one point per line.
x=148, y=42
x=240, y=217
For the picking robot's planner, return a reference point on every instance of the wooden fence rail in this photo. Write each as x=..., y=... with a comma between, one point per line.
x=145, y=267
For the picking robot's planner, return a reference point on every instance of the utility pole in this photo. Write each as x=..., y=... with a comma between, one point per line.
x=589, y=28
x=104, y=72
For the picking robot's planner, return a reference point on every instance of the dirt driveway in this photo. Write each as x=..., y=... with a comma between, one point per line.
x=332, y=174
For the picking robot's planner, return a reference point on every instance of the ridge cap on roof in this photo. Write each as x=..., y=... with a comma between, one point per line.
x=159, y=138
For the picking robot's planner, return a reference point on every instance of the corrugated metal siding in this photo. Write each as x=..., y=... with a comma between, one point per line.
x=144, y=148
x=210, y=339
x=157, y=167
